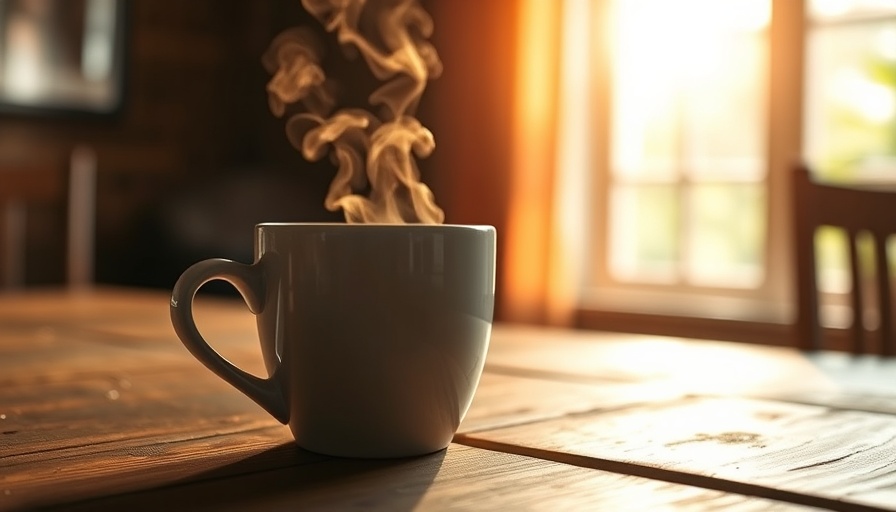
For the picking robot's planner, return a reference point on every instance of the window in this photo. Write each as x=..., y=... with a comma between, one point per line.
x=851, y=89
x=687, y=151
x=703, y=105
x=61, y=55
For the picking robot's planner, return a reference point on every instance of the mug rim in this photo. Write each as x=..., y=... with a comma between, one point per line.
x=345, y=225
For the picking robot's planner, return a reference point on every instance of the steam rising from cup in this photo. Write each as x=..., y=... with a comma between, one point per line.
x=377, y=179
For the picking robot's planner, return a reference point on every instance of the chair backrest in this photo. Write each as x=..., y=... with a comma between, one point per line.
x=22, y=185
x=855, y=210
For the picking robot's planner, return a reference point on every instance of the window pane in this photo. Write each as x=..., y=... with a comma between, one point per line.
x=821, y=10
x=831, y=267
x=688, y=131
x=646, y=110
x=646, y=141
x=644, y=233
x=724, y=113
x=726, y=240
x=688, y=82
x=832, y=273
x=851, y=100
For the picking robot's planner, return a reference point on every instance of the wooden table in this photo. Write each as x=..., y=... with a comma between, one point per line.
x=101, y=407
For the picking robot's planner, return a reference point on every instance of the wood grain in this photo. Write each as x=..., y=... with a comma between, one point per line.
x=54, y=420
x=101, y=406
x=689, y=366
x=46, y=336
x=503, y=400
x=460, y=478
x=677, y=366
x=814, y=454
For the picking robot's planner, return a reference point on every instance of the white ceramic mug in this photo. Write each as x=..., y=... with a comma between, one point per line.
x=374, y=335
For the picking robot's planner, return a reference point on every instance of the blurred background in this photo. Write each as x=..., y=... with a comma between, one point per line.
x=633, y=154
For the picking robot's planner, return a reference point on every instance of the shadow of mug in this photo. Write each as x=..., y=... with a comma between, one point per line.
x=288, y=477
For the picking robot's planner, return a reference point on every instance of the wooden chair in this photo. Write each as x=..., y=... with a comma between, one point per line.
x=855, y=210
x=25, y=184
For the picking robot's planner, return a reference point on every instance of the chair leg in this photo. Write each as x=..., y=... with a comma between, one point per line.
x=885, y=307
x=13, y=230
x=858, y=320
x=81, y=217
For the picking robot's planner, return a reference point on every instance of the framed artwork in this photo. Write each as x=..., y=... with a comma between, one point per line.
x=59, y=56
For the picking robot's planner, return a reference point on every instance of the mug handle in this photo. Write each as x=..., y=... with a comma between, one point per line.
x=249, y=281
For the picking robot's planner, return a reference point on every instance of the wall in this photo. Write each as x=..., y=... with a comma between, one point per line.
x=470, y=111
x=195, y=113
x=196, y=117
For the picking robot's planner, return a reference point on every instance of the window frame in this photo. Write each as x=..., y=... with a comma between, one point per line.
x=685, y=309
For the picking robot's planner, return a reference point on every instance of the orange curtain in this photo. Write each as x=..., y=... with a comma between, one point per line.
x=497, y=120
x=545, y=223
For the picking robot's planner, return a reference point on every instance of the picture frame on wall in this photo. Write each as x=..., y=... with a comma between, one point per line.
x=62, y=56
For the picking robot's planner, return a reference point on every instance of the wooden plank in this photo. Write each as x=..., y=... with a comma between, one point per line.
x=98, y=397
x=80, y=438
x=689, y=366
x=102, y=370
x=679, y=367
x=77, y=440
x=69, y=336
x=857, y=374
x=858, y=382
x=845, y=400
x=118, y=427
x=42, y=422
x=50, y=415
x=503, y=400
x=102, y=469
x=460, y=478
x=126, y=318
x=809, y=454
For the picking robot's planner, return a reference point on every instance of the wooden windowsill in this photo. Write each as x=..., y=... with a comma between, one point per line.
x=747, y=331
x=722, y=329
